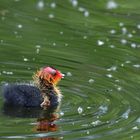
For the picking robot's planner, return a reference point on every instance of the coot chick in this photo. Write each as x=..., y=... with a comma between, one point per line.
x=43, y=93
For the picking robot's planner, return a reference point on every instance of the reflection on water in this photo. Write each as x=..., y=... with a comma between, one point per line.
x=45, y=123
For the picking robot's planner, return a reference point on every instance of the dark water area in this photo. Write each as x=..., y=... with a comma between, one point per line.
x=96, y=45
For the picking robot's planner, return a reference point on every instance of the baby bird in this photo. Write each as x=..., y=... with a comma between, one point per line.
x=46, y=80
x=43, y=93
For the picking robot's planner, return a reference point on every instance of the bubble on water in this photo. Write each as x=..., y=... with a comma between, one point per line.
x=103, y=109
x=37, y=51
x=66, y=44
x=100, y=43
x=88, y=107
x=138, y=26
x=53, y=5
x=130, y=35
x=111, y=4
x=127, y=62
x=86, y=13
x=25, y=59
x=51, y=15
x=112, y=31
x=133, y=45
x=135, y=128
x=95, y=123
x=38, y=46
x=62, y=113
x=69, y=74
x=117, y=80
x=61, y=33
x=7, y=72
x=134, y=31
x=112, y=46
x=19, y=26
x=40, y=4
x=121, y=24
x=88, y=132
x=138, y=120
x=84, y=37
x=81, y=9
x=123, y=41
x=125, y=115
x=54, y=44
x=74, y=3
x=80, y=110
x=124, y=30
x=113, y=68
x=119, y=88
x=36, y=19
x=109, y=75
x=91, y=81
x=1, y=41
x=136, y=65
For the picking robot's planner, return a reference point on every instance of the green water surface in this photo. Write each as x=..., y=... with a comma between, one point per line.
x=96, y=44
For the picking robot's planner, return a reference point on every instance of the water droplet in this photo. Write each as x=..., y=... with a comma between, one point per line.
x=54, y=44
x=38, y=46
x=112, y=46
x=80, y=110
x=86, y=13
x=53, y=5
x=112, y=31
x=19, y=26
x=133, y=45
x=138, y=26
x=69, y=74
x=40, y=4
x=81, y=9
x=111, y=5
x=74, y=3
x=95, y=123
x=136, y=65
x=51, y=15
x=135, y=128
x=113, y=68
x=109, y=75
x=100, y=43
x=91, y=81
x=130, y=35
x=119, y=88
x=123, y=41
x=84, y=37
x=25, y=59
x=66, y=44
x=121, y=24
x=37, y=51
x=125, y=115
x=61, y=33
x=62, y=113
x=124, y=30
x=87, y=132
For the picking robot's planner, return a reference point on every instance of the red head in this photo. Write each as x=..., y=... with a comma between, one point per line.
x=50, y=74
